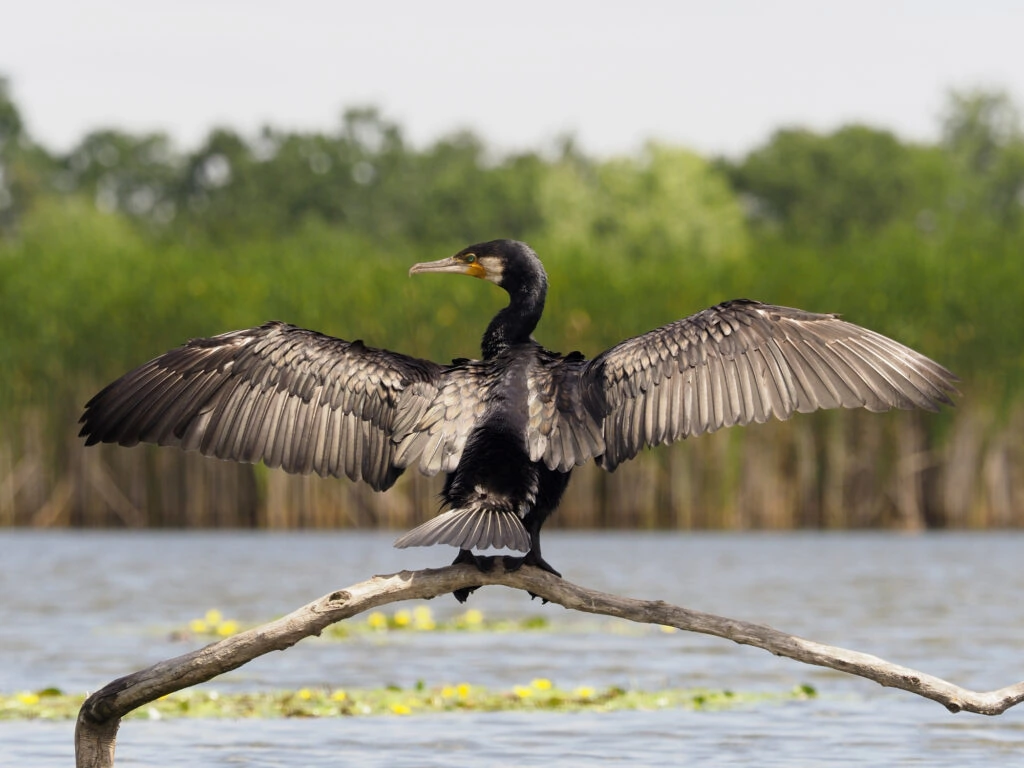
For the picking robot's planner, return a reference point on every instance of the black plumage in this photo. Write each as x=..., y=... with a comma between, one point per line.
x=506, y=429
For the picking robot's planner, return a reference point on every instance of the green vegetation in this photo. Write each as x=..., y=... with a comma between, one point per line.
x=540, y=695
x=126, y=246
x=214, y=625
x=123, y=247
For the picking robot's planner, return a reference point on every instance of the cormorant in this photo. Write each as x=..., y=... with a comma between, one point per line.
x=509, y=428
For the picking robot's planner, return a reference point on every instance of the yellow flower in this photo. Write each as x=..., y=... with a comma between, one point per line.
x=667, y=629
x=422, y=613
x=339, y=696
x=584, y=692
x=28, y=698
x=227, y=628
x=447, y=692
x=213, y=616
x=400, y=709
x=463, y=690
x=305, y=694
x=541, y=684
x=522, y=691
x=422, y=618
x=402, y=618
x=473, y=618
x=198, y=626
x=377, y=620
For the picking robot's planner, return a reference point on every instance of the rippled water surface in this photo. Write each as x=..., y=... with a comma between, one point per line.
x=81, y=608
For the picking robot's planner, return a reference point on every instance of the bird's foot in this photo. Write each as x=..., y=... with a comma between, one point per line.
x=531, y=558
x=484, y=563
x=515, y=563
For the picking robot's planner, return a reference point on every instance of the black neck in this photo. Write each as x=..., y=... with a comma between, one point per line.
x=514, y=324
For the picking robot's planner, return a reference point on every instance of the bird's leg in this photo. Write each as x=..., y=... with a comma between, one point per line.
x=532, y=557
x=485, y=564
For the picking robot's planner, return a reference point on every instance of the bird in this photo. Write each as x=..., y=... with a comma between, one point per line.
x=506, y=429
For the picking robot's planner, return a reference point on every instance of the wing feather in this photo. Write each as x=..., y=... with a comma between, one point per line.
x=743, y=361
x=279, y=394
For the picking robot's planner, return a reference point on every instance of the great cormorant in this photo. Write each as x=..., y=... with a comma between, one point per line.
x=509, y=428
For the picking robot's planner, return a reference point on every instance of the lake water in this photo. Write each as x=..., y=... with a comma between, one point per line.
x=81, y=608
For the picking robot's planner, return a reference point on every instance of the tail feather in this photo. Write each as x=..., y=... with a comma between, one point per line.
x=469, y=528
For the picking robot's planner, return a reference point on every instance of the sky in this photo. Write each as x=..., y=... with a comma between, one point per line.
x=717, y=77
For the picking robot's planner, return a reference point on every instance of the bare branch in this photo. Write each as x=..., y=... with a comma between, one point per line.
x=100, y=715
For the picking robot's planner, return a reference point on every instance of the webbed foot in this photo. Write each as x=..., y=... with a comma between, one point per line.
x=515, y=563
x=534, y=559
x=484, y=563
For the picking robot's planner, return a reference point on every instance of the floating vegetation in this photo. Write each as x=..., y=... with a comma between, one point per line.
x=419, y=619
x=539, y=695
x=212, y=624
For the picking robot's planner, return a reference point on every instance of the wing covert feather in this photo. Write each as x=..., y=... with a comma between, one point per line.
x=743, y=361
x=435, y=427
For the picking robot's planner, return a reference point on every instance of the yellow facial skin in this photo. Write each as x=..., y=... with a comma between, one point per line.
x=474, y=266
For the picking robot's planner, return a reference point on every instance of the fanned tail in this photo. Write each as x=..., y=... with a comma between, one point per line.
x=470, y=528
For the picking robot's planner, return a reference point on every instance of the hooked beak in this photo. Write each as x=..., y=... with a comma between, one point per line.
x=450, y=265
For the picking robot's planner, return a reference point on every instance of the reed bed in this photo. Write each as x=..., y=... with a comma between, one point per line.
x=836, y=470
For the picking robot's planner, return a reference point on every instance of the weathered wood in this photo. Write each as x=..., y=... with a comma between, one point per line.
x=100, y=715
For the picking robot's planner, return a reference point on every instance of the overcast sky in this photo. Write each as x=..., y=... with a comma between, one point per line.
x=717, y=76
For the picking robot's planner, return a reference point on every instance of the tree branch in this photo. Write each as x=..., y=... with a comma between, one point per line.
x=100, y=715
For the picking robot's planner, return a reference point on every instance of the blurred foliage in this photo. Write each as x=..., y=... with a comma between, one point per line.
x=126, y=246
x=825, y=189
x=540, y=695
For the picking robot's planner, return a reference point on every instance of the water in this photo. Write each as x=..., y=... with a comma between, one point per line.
x=81, y=608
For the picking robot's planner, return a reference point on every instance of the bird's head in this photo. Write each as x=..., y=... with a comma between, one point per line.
x=509, y=263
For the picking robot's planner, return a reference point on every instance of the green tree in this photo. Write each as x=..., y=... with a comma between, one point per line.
x=981, y=130
x=827, y=188
x=665, y=203
x=24, y=166
x=120, y=172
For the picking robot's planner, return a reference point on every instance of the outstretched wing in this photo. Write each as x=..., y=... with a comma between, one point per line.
x=289, y=397
x=743, y=361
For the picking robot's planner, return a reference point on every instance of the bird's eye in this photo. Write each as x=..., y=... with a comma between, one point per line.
x=470, y=258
